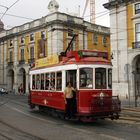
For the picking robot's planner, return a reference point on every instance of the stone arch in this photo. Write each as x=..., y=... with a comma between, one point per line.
x=10, y=79
x=22, y=78
x=136, y=77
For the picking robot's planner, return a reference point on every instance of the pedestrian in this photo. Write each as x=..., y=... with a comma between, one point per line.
x=20, y=89
x=68, y=97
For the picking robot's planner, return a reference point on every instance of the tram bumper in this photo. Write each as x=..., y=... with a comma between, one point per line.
x=106, y=107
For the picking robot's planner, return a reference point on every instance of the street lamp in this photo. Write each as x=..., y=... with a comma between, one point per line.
x=135, y=74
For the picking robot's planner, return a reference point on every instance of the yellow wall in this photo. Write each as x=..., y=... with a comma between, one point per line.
x=36, y=44
x=99, y=46
x=130, y=25
x=26, y=54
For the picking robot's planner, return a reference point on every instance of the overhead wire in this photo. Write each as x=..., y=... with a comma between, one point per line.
x=7, y=8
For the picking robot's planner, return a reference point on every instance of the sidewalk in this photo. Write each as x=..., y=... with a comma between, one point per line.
x=131, y=114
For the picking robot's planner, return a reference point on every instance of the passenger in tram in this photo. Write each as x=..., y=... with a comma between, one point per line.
x=89, y=83
x=42, y=82
x=69, y=101
x=47, y=84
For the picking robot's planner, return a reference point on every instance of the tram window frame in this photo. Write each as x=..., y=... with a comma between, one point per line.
x=100, y=78
x=86, y=81
x=42, y=82
x=47, y=81
x=52, y=85
x=33, y=81
x=38, y=82
x=59, y=81
x=110, y=78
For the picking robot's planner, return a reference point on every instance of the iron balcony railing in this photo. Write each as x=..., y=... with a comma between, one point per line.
x=22, y=62
x=136, y=45
x=31, y=60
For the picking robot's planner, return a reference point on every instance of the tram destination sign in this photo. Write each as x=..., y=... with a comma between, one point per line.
x=94, y=54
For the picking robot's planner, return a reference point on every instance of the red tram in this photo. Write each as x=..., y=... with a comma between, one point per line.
x=91, y=75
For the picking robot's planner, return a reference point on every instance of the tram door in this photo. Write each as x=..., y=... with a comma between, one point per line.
x=71, y=77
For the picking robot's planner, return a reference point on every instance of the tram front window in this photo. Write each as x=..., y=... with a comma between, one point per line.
x=100, y=78
x=86, y=78
x=110, y=78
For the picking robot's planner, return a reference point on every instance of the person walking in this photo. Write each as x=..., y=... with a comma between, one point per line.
x=68, y=97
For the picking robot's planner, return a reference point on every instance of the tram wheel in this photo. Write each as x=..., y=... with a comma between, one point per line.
x=41, y=108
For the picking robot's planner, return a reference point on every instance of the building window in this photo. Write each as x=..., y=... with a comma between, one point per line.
x=104, y=40
x=11, y=42
x=70, y=32
x=22, y=54
x=137, y=32
x=31, y=37
x=95, y=38
x=22, y=40
x=137, y=8
x=31, y=52
x=10, y=56
x=43, y=34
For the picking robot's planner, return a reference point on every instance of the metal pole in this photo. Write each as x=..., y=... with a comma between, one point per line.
x=135, y=74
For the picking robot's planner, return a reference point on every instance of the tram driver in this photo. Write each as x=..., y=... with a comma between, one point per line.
x=69, y=100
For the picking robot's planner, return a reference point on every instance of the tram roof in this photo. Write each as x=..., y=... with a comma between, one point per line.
x=82, y=61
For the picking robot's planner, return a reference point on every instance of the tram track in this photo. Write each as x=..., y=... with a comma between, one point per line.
x=16, y=133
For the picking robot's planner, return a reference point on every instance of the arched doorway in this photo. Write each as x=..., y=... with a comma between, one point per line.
x=22, y=78
x=11, y=81
x=136, y=73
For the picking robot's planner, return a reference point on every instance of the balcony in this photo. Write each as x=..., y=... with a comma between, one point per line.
x=22, y=62
x=136, y=45
x=31, y=60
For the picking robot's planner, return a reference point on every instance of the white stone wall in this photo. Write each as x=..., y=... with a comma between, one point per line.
x=119, y=50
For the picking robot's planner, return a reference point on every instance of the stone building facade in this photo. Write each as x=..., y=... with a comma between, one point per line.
x=125, y=49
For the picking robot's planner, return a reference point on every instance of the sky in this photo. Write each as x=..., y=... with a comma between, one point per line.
x=24, y=11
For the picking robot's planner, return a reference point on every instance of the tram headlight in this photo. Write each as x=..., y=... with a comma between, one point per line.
x=102, y=95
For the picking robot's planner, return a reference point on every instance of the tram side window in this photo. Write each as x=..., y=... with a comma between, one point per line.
x=59, y=81
x=38, y=81
x=52, y=81
x=100, y=78
x=47, y=79
x=86, y=78
x=42, y=81
x=33, y=81
x=110, y=78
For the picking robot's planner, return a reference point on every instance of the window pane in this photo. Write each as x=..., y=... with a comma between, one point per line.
x=31, y=52
x=137, y=8
x=59, y=81
x=86, y=78
x=42, y=81
x=137, y=28
x=100, y=78
x=110, y=78
x=38, y=81
x=52, y=81
x=47, y=79
x=22, y=54
x=33, y=82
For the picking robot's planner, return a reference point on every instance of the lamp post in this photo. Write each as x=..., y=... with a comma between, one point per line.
x=135, y=85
